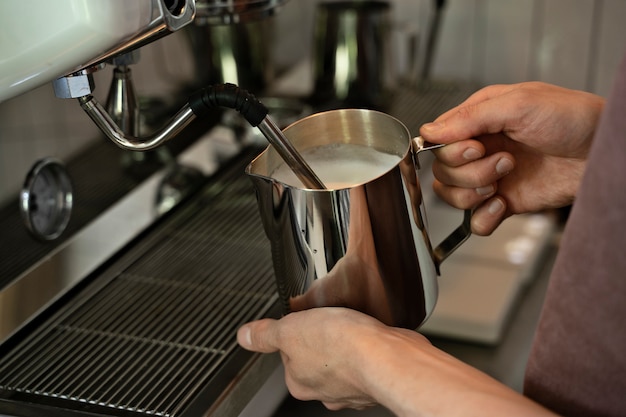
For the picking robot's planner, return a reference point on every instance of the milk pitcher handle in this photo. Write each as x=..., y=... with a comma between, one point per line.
x=461, y=233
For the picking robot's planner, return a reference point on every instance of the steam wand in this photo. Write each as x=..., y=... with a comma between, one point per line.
x=201, y=103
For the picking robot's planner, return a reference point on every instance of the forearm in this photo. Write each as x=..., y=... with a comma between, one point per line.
x=411, y=377
x=347, y=359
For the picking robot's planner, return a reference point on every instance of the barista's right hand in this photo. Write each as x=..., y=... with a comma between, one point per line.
x=513, y=149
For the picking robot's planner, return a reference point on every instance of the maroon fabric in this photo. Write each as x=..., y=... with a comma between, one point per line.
x=578, y=363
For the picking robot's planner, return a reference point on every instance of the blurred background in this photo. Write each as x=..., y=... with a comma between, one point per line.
x=572, y=43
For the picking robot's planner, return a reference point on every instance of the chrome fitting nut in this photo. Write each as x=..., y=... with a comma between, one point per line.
x=125, y=59
x=73, y=86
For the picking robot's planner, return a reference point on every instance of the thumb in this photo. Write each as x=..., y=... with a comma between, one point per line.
x=258, y=336
x=467, y=121
x=490, y=110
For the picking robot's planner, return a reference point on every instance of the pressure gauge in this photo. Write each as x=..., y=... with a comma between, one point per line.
x=46, y=199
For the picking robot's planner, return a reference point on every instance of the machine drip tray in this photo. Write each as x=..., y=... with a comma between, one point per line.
x=153, y=332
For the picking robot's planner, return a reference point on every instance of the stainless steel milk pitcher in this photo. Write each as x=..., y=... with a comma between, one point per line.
x=365, y=245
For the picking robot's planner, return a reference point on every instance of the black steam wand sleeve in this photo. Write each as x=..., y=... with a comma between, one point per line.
x=255, y=113
x=229, y=96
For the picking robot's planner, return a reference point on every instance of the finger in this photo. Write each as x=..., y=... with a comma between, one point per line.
x=259, y=336
x=488, y=216
x=476, y=174
x=464, y=198
x=493, y=115
x=459, y=153
x=479, y=96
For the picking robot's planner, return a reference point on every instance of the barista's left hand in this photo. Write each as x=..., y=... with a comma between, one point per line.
x=321, y=361
x=347, y=359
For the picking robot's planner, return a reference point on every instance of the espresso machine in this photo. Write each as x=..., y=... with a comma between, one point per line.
x=121, y=290
x=122, y=284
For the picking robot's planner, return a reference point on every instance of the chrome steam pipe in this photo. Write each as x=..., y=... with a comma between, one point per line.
x=107, y=125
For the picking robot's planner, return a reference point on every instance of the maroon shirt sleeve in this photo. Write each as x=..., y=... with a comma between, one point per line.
x=577, y=366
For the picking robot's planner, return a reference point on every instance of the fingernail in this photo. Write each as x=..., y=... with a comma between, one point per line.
x=504, y=166
x=486, y=190
x=245, y=336
x=495, y=206
x=431, y=127
x=471, y=154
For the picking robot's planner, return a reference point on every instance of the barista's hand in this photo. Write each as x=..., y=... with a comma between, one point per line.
x=320, y=353
x=347, y=359
x=513, y=149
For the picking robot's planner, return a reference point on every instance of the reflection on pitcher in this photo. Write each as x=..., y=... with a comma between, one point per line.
x=355, y=279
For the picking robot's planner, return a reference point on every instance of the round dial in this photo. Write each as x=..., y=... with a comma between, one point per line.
x=46, y=199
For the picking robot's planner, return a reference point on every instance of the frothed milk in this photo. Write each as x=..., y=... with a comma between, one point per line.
x=340, y=165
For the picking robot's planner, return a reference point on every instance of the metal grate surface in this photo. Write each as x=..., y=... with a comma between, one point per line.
x=163, y=318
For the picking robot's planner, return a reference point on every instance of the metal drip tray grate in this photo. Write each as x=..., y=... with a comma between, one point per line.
x=149, y=333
